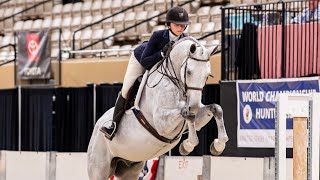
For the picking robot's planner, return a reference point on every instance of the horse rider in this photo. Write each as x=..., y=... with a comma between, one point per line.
x=144, y=57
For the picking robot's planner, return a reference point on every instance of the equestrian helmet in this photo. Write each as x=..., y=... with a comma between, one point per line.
x=177, y=15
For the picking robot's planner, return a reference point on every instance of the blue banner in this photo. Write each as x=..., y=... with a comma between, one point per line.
x=256, y=108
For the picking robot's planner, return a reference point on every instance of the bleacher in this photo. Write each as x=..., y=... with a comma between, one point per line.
x=70, y=17
x=205, y=17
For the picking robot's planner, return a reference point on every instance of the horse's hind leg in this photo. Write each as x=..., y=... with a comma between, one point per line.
x=130, y=173
x=99, y=158
x=99, y=172
x=218, y=145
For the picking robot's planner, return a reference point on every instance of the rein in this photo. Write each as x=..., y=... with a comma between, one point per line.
x=164, y=70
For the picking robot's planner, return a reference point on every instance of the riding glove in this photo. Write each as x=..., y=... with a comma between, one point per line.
x=167, y=48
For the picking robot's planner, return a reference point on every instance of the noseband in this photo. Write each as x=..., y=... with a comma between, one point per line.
x=186, y=87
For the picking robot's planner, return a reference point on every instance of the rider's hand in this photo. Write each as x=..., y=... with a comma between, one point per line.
x=167, y=47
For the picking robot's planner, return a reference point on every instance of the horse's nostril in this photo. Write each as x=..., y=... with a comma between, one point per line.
x=189, y=108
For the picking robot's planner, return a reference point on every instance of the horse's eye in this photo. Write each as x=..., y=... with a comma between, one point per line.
x=188, y=72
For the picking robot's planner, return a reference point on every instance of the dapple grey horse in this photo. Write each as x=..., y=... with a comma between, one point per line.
x=170, y=103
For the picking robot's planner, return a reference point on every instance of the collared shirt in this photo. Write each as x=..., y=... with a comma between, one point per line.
x=306, y=15
x=149, y=53
x=173, y=37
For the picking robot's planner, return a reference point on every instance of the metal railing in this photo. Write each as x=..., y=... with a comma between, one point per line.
x=5, y=1
x=25, y=10
x=15, y=54
x=270, y=40
x=121, y=31
x=101, y=52
x=100, y=21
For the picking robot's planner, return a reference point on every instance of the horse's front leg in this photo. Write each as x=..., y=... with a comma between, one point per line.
x=204, y=116
x=171, y=121
x=192, y=141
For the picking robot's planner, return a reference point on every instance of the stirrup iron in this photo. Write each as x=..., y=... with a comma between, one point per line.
x=107, y=132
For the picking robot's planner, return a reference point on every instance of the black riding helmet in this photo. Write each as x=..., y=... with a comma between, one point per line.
x=177, y=15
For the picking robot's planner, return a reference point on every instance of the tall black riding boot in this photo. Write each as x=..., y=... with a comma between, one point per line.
x=118, y=112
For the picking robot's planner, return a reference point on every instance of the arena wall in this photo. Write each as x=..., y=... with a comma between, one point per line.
x=16, y=165
x=71, y=166
x=7, y=76
x=79, y=72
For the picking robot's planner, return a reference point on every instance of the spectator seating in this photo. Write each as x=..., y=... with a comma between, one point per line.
x=204, y=18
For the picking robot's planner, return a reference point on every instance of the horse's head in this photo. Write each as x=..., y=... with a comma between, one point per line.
x=191, y=62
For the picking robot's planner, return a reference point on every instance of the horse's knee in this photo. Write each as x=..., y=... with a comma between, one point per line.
x=216, y=110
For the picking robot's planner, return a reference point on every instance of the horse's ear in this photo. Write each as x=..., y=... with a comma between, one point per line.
x=212, y=49
x=193, y=48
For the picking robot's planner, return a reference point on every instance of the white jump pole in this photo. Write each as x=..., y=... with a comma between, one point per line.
x=298, y=105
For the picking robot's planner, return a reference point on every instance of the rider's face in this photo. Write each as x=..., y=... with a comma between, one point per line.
x=177, y=29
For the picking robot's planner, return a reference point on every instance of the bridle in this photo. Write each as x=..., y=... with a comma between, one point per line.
x=186, y=87
x=164, y=70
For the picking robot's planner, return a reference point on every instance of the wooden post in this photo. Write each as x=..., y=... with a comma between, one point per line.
x=300, y=148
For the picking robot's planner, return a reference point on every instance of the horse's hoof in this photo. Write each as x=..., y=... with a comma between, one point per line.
x=216, y=147
x=182, y=150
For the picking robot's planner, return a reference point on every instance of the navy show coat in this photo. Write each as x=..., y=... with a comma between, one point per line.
x=149, y=53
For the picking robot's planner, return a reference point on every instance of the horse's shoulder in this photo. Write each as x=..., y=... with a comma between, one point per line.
x=167, y=84
x=167, y=90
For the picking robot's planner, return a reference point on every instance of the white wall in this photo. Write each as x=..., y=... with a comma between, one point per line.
x=226, y=168
x=25, y=165
x=231, y=168
x=217, y=168
x=71, y=166
x=43, y=166
x=182, y=167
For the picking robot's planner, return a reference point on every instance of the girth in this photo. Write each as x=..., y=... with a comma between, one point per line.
x=143, y=121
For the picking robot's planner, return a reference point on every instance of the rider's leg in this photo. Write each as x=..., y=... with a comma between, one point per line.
x=134, y=70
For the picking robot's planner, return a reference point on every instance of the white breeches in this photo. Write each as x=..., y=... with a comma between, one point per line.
x=134, y=70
